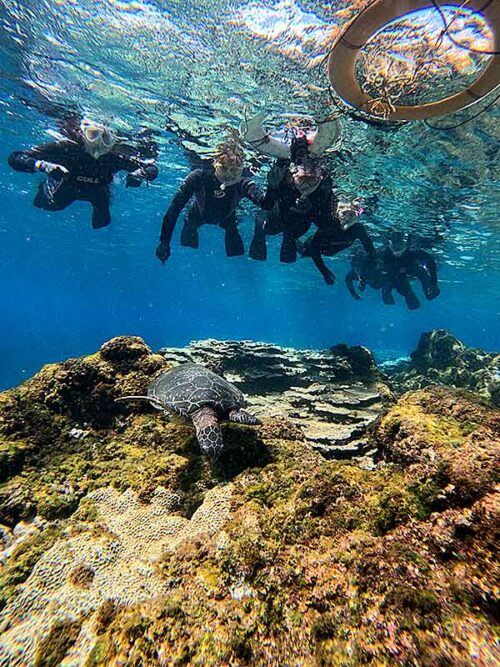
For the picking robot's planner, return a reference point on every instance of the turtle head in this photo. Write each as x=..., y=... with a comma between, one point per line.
x=208, y=432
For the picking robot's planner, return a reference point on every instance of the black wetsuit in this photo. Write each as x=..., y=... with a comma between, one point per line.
x=88, y=179
x=210, y=204
x=413, y=262
x=332, y=240
x=291, y=215
x=367, y=270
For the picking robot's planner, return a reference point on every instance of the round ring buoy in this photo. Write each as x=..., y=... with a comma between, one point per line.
x=343, y=56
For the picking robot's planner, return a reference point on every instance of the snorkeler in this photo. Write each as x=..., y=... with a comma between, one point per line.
x=401, y=261
x=81, y=168
x=215, y=194
x=366, y=270
x=299, y=194
x=343, y=231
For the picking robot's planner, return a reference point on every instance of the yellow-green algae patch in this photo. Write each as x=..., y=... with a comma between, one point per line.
x=23, y=558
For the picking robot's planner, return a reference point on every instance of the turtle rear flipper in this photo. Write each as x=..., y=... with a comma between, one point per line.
x=243, y=417
x=208, y=432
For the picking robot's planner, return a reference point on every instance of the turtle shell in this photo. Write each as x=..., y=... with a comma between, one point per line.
x=189, y=387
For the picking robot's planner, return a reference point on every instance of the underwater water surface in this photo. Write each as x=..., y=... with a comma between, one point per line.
x=66, y=288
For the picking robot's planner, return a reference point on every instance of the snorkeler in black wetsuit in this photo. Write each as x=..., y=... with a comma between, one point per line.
x=343, y=231
x=367, y=270
x=215, y=194
x=298, y=195
x=402, y=261
x=81, y=168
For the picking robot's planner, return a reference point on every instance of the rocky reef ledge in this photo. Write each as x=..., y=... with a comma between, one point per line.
x=442, y=359
x=121, y=545
x=331, y=396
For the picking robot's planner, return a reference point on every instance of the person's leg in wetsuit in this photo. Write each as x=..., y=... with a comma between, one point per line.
x=258, y=246
x=288, y=250
x=189, y=234
x=429, y=286
x=314, y=247
x=100, y=201
x=232, y=239
x=387, y=297
x=292, y=231
x=54, y=195
x=266, y=224
x=404, y=288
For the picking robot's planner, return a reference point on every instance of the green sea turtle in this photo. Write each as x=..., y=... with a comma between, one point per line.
x=199, y=395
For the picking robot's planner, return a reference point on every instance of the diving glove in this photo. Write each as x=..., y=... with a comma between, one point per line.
x=328, y=276
x=276, y=174
x=135, y=178
x=55, y=171
x=163, y=251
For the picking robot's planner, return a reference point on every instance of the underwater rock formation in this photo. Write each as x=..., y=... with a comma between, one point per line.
x=440, y=358
x=332, y=396
x=122, y=545
x=265, y=368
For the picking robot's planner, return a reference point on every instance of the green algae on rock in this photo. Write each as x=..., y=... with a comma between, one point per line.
x=440, y=358
x=150, y=556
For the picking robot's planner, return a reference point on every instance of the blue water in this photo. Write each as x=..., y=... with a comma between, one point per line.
x=65, y=288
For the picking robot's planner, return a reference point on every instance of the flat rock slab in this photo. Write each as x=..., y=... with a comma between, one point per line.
x=332, y=398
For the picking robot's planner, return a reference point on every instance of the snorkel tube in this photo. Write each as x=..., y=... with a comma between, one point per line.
x=326, y=136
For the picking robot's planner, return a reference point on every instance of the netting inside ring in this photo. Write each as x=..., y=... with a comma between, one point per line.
x=414, y=60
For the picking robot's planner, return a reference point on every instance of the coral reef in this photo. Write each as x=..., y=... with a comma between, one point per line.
x=440, y=358
x=262, y=367
x=122, y=545
x=331, y=396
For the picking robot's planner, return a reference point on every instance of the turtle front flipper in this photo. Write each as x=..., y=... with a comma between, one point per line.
x=208, y=432
x=243, y=417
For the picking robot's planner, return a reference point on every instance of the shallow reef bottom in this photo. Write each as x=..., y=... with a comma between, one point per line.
x=120, y=544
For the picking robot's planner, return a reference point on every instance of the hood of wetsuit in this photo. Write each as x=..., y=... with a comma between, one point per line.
x=398, y=243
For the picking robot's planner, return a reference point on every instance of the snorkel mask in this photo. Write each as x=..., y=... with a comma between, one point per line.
x=228, y=171
x=228, y=175
x=98, y=139
x=306, y=178
x=348, y=213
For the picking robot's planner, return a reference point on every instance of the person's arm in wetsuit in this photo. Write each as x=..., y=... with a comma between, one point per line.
x=128, y=159
x=181, y=198
x=45, y=158
x=250, y=191
x=349, y=281
x=362, y=235
x=325, y=203
x=275, y=184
